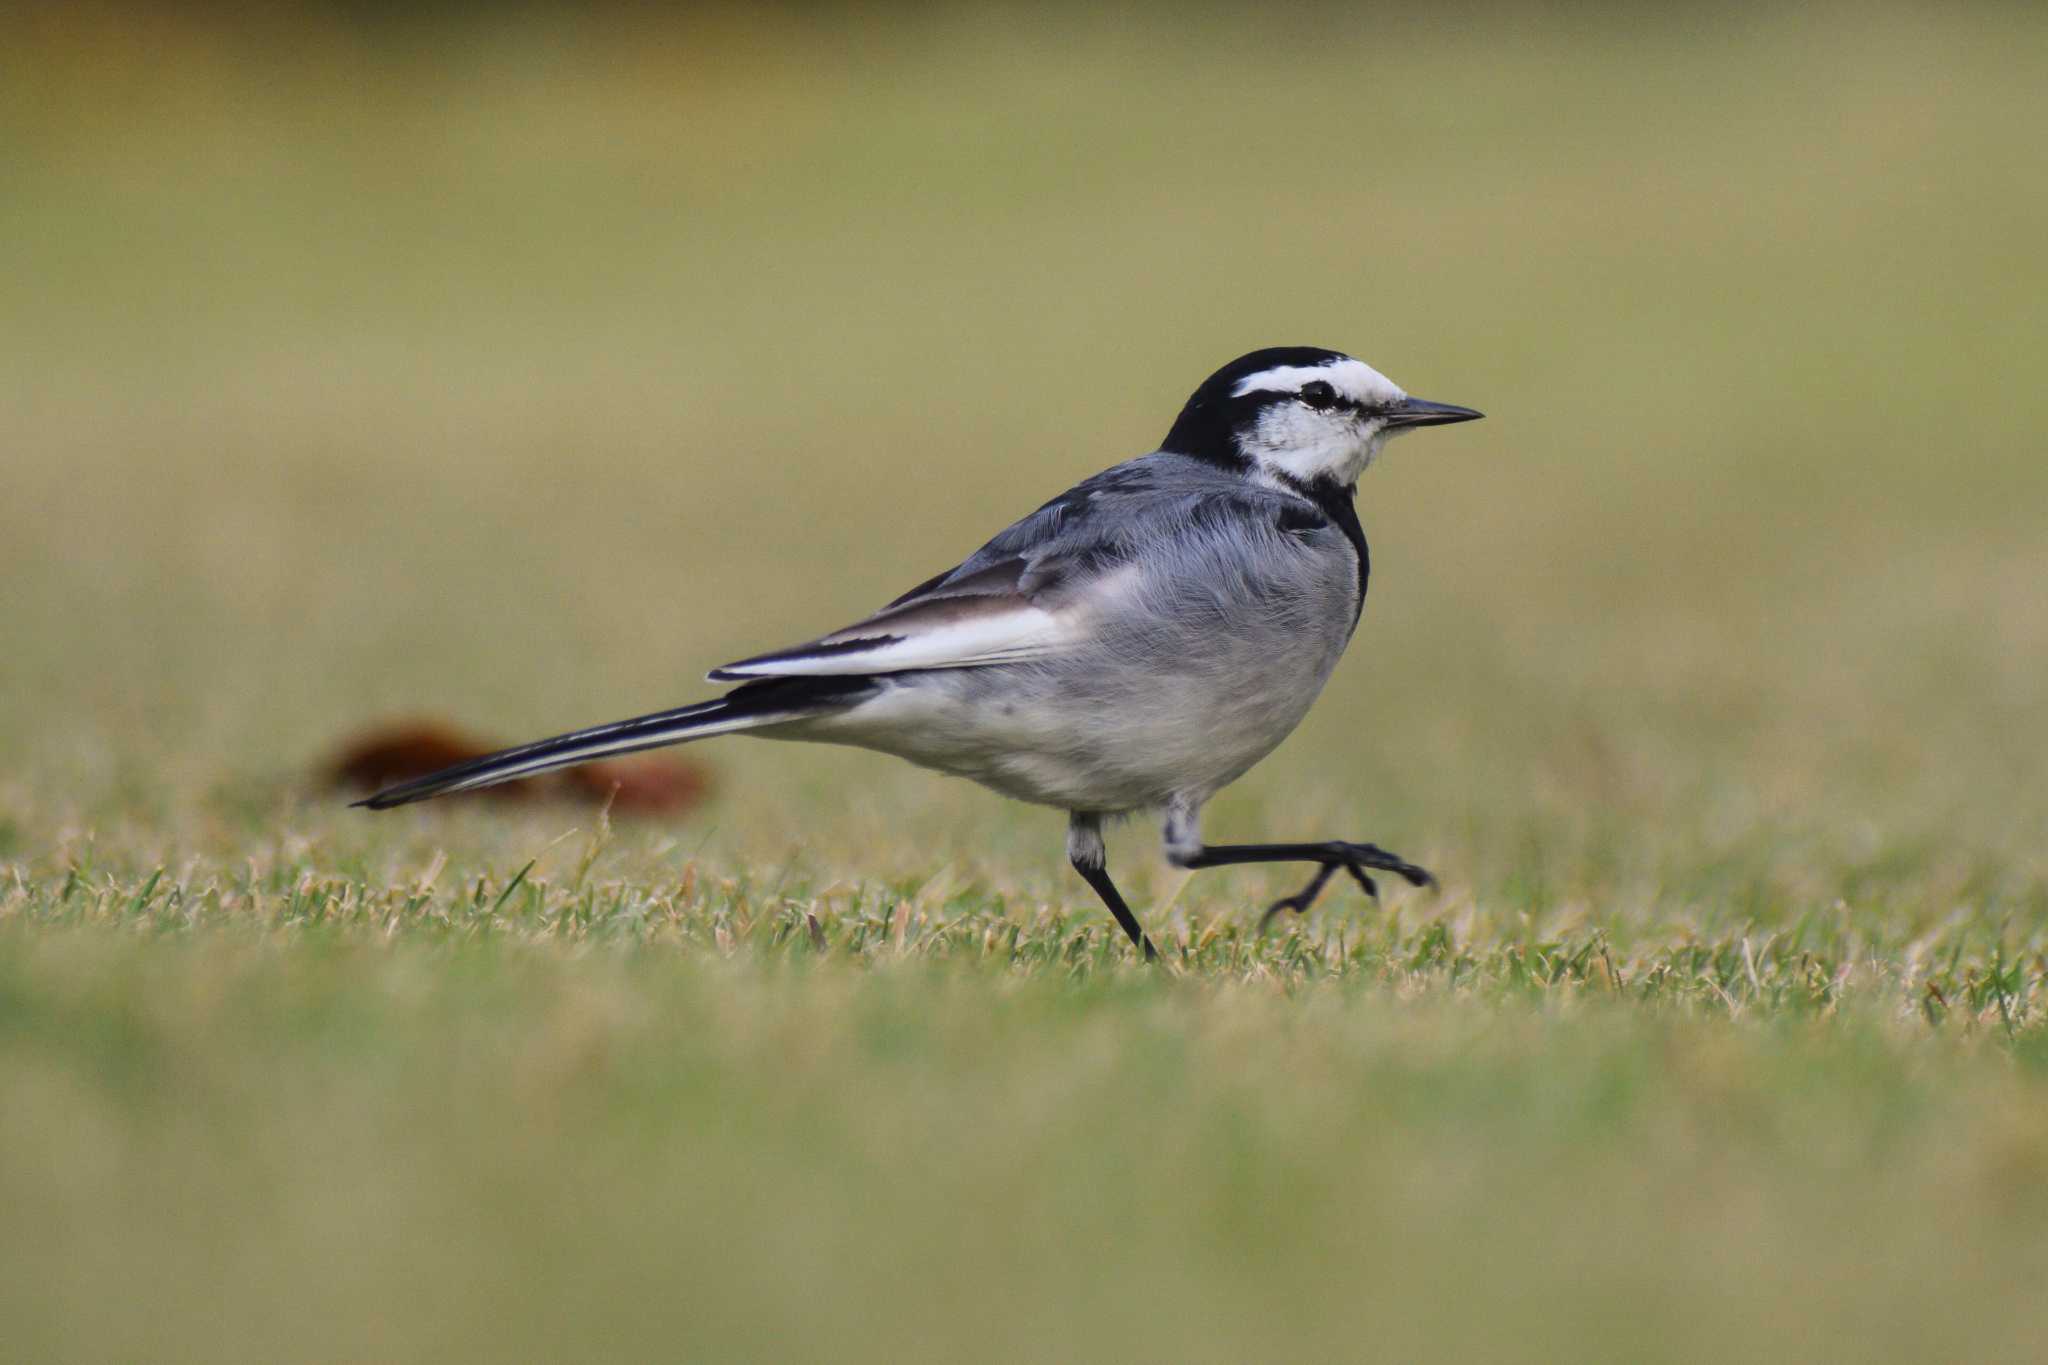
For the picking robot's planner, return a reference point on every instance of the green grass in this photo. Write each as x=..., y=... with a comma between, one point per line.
x=358, y=1150
x=473, y=370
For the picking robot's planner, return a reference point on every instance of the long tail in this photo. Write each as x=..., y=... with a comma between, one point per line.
x=767, y=702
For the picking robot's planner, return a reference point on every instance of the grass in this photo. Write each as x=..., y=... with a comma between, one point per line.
x=361, y=1150
x=479, y=369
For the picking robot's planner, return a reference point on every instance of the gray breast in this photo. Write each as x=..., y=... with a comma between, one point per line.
x=1210, y=631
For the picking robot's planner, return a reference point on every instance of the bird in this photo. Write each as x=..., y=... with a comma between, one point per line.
x=1135, y=645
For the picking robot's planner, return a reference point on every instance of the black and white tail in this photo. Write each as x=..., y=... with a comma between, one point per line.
x=767, y=702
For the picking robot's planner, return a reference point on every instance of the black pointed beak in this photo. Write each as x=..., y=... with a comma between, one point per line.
x=1420, y=412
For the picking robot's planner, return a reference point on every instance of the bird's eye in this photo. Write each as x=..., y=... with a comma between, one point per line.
x=1318, y=394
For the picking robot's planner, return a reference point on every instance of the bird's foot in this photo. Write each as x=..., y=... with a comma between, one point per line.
x=1299, y=903
x=1354, y=859
x=1301, y=900
x=1357, y=857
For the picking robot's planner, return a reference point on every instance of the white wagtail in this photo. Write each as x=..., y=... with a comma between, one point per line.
x=1137, y=643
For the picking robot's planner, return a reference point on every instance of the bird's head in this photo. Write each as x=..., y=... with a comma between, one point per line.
x=1300, y=415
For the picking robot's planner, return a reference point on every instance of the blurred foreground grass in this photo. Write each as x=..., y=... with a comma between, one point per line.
x=361, y=1151
x=519, y=371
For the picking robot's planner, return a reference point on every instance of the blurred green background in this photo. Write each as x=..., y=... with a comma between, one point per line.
x=516, y=366
x=523, y=368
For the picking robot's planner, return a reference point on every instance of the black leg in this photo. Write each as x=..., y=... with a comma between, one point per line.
x=1098, y=878
x=1352, y=858
x=1085, y=851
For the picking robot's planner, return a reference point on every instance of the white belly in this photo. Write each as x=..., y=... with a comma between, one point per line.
x=1114, y=742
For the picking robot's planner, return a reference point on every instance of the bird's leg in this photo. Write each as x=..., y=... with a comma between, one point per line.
x=1184, y=847
x=1086, y=852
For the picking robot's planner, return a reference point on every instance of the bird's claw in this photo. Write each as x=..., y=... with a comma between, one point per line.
x=1361, y=856
x=1298, y=903
x=1354, y=859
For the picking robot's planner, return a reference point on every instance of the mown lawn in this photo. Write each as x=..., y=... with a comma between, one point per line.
x=516, y=371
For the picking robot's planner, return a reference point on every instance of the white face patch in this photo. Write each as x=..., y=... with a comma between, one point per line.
x=1306, y=443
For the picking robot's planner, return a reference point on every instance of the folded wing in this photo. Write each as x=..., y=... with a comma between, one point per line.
x=990, y=615
x=1032, y=592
